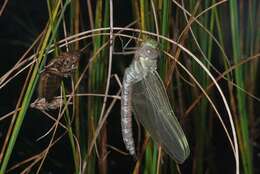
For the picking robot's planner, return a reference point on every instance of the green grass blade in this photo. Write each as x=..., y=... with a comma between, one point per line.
x=246, y=152
x=30, y=90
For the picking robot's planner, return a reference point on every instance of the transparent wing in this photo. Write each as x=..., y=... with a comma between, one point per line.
x=152, y=108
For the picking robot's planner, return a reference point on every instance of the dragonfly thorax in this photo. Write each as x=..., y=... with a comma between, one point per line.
x=148, y=64
x=142, y=65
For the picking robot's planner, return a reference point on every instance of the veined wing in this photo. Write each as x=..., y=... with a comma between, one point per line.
x=152, y=108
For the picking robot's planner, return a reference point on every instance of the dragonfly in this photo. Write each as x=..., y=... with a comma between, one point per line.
x=51, y=77
x=144, y=94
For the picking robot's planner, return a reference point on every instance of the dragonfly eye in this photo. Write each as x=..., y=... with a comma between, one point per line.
x=151, y=53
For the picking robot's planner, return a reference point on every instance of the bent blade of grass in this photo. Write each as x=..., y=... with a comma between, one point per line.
x=232, y=83
x=28, y=94
x=211, y=102
x=200, y=121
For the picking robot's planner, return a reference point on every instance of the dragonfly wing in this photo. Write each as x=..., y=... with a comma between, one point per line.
x=152, y=108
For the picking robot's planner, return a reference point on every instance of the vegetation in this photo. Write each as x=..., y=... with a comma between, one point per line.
x=209, y=64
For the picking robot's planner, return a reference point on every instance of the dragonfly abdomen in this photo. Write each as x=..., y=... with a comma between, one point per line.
x=126, y=113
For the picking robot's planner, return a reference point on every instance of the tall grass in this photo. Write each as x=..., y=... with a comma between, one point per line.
x=217, y=39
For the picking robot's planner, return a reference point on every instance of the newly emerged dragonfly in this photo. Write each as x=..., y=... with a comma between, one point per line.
x=144, y=93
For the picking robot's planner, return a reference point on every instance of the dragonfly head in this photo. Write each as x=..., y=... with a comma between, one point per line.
x=148, y=54
x=149, y=49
